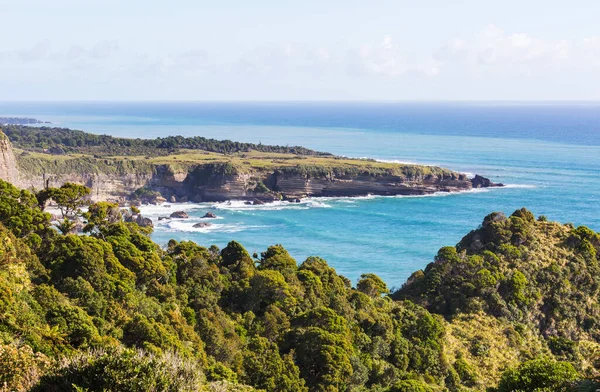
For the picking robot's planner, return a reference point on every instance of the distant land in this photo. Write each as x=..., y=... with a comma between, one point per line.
x=198, y=169
x=21, y=121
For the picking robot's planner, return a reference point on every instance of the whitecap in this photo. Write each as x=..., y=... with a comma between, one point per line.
x=188, y=227
x=403, y=162
x=238, y=205
x=169, y=208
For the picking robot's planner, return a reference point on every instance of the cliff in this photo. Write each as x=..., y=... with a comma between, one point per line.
x=216, y=177
x=8, y=165
x=194, y=174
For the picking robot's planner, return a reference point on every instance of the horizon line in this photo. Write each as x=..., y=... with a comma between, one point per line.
x=458, y=101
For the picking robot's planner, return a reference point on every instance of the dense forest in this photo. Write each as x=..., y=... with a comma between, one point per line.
x=513, y=307
x=63, y=140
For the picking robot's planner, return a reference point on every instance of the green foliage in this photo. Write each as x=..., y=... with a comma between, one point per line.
x=411, y=386
x=69, y=197
x=372, y=285
x=44, y=138
x=100, y=215
x=261, y=188
x=111, y=310
x=18, y=211
x=540, y=375
x=123, y=370
x=532, y=271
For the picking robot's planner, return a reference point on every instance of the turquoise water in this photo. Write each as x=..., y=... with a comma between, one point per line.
x=548, y=154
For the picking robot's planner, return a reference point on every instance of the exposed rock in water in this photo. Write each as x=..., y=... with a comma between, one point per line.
x=180, y=215
x=482, y=182
x=257, y=202
x=202, y=224
x=173, y=199
x=163, y=218
x=144, y=222
x=209, y=215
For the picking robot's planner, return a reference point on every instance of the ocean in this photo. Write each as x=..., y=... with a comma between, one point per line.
x=548, y=155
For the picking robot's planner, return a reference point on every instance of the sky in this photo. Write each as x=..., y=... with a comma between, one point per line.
x=370, y=50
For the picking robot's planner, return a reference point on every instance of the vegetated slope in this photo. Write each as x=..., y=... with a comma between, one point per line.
x=64, y=140
x=530, y=275
x=111, y=310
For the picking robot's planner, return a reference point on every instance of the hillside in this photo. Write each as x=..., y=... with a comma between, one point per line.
x=199, y=169
x=512, y=306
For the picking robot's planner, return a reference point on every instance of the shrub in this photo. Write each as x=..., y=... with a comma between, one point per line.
x=538, y=375
x=123, y=370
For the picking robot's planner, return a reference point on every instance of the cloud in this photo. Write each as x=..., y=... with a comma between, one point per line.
x=493, y=46
x=390, y=60
x=37, y=52
x=278, y=59
x=99, y=51
x=492, y=62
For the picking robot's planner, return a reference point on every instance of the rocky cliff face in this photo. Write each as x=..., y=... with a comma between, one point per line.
x=207, y=184
x=8, y=163
x=211, y=183
x=116, y=180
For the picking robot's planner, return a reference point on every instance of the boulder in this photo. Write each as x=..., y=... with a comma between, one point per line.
x=209, y=215
x=144, y=222
x=248, y=203
x=163, y=218
x=202, y=224
x=179, y=215
x=173, y=199
x=183, y=199
x=257, y=202
x=482, y=182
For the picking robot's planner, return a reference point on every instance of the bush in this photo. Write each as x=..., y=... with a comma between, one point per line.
x=538, y=375
x=411, y=386
x=123, y=370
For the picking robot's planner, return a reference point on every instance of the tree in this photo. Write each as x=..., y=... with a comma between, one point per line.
x=70, y=198
x=323, y=358
x=264, y=368
x=65, y=226
x=372, y=285
x=538, y=375
x=100, y=215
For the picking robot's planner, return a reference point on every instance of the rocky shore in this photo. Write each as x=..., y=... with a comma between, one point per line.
x=137, y=180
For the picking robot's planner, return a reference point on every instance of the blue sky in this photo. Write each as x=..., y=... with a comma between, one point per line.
x=299, y=50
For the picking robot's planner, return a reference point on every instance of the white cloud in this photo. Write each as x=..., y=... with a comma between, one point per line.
x=494, y=46
x=491, y=63
x=390, y=60
x=37, y=52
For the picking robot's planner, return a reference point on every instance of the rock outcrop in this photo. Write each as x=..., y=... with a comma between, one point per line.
x=8, y=163
x=179, y=215
x=482, y=182
x=114, y=180
x=202, y=184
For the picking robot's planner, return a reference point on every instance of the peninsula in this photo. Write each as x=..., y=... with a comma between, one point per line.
x=199, y=169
